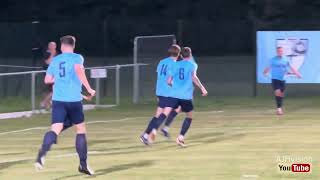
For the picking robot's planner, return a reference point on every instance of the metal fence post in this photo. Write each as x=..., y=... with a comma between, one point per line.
x=33, y=91
x=118, y=84
x=97, y=91
x=135, y=97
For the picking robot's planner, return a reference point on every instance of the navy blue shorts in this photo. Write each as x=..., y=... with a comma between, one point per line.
x=67, y=112
x=167, y=102
x=277, y=84
x=186, y=105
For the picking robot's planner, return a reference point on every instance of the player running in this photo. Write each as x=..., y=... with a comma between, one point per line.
x=165, y=103
x=184, y=74
x=186, y=54
x=66, y=71
x=279, y=66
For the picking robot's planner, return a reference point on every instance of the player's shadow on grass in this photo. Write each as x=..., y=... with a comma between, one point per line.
x=205, y=139
x=14, y=153
x=205, y=135
x=6, y=165
x=116, y=168
x=92, y=143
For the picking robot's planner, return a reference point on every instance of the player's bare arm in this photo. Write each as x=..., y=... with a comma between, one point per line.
x=83, y=78
x=198, y=83
x=49, y=79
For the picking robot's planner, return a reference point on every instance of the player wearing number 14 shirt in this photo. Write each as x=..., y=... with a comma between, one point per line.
x=165, y=103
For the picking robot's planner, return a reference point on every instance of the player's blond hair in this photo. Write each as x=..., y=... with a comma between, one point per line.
x=174, y=50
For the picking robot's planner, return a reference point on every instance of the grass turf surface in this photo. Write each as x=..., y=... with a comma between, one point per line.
x=242, y=142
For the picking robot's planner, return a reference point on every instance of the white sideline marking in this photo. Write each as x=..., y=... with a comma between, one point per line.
x=200, y=112
x=23, y=130
x=13, y=115
x=52, y=157
x=249, y=176
x=92, y=122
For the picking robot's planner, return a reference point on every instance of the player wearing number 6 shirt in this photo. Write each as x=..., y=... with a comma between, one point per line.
x=184, y=74
x=165, y=103
x=66, y=71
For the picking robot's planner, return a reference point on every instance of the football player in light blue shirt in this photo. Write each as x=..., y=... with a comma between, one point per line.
x=279, y=66
x=163, y=90
x=182, y=79
x=66, y=71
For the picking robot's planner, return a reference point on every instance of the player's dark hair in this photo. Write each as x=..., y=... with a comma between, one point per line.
x=186, y=52
x=174, y=50
x=279, y=47
x=68, y=40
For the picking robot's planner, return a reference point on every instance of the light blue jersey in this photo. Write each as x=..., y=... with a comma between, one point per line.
x=194, y=62
x=163, y=70
x=279, y=67
x=182, y=86
x=67, y=86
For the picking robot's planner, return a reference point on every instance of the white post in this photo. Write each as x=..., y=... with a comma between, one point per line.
x=97, y=91
x=33, y=91
x=117, y=84
x=135, y=97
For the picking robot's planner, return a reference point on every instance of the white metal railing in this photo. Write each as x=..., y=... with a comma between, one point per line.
x=97, y=81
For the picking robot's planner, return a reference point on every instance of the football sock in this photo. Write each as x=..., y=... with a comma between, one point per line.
x=49, y=139
x=279, y=100
x=170, y=118
x=81, y=146
x=160, y=120
x=185, y=126
x=151, y=125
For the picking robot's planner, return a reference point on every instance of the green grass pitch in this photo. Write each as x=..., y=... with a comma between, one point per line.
x=230, y=138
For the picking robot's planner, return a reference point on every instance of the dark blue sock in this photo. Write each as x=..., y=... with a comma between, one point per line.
x=48, y=139
x=160, y=120
x=170, y=118
x=151, y=125
x=279, y=101
x=81, y=146
x=185, y=126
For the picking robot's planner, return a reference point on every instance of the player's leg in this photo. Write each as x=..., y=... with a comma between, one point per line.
x=67, y=124
x=58, y=116
x=187, y=107
x=169, y=104
x=280, y=95
x=279, y=87
x=161, y=118
x=144, y=138
x=75, y=113
x=169, y=120
x=47, y=100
